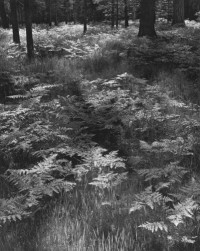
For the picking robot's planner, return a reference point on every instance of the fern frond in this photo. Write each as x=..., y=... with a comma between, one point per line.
x=155, y=226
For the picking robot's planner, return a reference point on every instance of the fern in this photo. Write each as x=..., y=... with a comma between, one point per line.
x=182, y=210
x=155, y=226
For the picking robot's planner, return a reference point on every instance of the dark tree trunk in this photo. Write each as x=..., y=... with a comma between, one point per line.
x=178, y=13
x=48, y=11
x=4, y=18
x=147, y=19
x=28, y=22
x=168, y=11
x=85, y=16
x=126, y=13
x=14, y=21
x=117, y=13
x=134, y=11
x=66, y=6
x=56, y=13
x=190, y=9
x=113, y=14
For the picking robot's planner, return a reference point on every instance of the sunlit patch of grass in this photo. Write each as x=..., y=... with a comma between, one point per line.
x=84, y=222
x=57, y=71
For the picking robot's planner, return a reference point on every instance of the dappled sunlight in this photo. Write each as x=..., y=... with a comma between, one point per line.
x=99, y=136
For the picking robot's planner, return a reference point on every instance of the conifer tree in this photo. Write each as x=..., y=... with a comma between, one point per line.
x=14, y=21
x=147, y=19
x=3, y=15
x=178, y=13
x=28, y=22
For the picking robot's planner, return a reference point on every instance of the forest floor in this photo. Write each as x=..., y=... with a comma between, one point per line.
x=100, y=139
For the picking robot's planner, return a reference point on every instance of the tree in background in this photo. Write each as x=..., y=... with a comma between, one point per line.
x=14, y=21
x=126, y=13
x=3, y=15
x=85, y=16
x=178, y=13
x=117, y=13
x=190, y=8
x=113, y=14
x=56, y=12
x=28, y=22
x=147, y=19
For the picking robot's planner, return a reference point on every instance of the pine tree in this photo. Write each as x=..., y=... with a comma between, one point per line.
x=4, y=18
x=117, y=13
x=85, y=15
x=147, y=19
x=28, y=22
x=113, y=14
x=178, y=13
x=14, y=21
x=126, y=13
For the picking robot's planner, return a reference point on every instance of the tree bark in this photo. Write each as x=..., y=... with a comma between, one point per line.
x=178, y=13
x=117, y=13
x=113, y=14
x=48, y=11
x=14, y=21
x=126, y=13
x=66, y=7
x=56, y=13
x=147, y=19
x=28, y=22
x=134, y=11
x=4, y=18
x=85, y=16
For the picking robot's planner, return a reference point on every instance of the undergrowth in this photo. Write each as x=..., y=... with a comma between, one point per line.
x=95, y=158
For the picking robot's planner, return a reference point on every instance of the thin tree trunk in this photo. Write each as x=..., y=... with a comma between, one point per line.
x=14, y=21
x=147, y=19
x=126, y=13
x=85, y=16
x=134, y=11
x=74, y=13
x=117, y=13
x=178, y=13
x=28, y=22
x=56, y=13
x=168, y=11
x=66, y=6
x=4, y=18
x=113, y=14
x=48, y=10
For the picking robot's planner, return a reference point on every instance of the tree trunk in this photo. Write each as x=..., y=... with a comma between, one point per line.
x=28, y=22
x=126, y=13
x=147, y=19
x=56, y=13
x=113, y=14
x=48, y=11
x=134, y=11
x=66, y=7
x=4, y=18
x=178, y=13
x=117, y=13
x=85, y=16
x=14, y=21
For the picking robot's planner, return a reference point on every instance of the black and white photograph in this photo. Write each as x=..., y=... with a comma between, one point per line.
x=99, y=125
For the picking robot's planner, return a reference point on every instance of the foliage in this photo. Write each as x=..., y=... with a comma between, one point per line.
x=115, y=157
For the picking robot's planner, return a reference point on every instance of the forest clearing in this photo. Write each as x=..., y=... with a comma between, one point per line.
x=99, y=130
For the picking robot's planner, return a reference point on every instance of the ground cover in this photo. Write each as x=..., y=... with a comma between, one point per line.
x=99, y=140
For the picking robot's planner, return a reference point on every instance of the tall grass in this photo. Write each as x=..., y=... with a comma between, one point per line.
x=80, y=221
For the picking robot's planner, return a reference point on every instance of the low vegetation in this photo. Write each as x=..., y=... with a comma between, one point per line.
x=99, y=140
